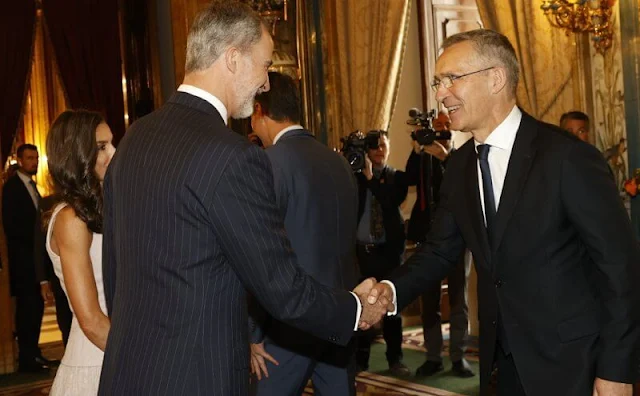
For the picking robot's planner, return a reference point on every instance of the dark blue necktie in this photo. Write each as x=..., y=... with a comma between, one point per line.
x=487, y=186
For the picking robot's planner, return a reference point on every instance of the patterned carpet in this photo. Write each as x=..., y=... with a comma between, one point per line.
x=374, y=383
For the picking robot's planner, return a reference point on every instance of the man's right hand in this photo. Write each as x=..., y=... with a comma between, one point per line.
x=371, y=313
x=381, y=292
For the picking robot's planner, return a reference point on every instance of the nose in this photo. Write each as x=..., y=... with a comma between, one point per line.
x=112, y=151
x=441, y=92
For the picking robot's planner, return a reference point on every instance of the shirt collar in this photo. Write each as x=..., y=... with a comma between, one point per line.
x=504, y=135
x=285, y=130
x=204, y=95
x=25, y=178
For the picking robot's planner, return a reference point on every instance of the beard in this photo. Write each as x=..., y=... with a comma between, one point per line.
x=246, y=95
x=30, y=172
x=245, y=108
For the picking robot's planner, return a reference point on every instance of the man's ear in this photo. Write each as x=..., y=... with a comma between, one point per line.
x=499, y=79
x=257, y=109
x=232, y=59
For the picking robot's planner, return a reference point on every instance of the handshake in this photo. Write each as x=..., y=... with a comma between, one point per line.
x=376, y=300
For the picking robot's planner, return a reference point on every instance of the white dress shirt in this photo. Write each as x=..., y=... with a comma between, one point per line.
x=204, y=95
x=27, y=182
x=501, y=141
x=285, y=130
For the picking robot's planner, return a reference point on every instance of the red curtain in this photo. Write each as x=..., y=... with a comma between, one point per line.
x=17, y=21
x=86, y=41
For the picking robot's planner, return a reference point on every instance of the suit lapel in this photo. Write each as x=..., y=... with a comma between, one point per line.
x=520, y=162
x=474, y=208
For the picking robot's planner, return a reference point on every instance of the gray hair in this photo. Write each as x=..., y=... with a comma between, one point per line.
x=491, y=46
x=223, y=24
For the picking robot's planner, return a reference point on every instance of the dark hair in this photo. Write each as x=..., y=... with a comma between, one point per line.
x=573, y=115
x=24, y=147
x=381, y=132
x=71, y=155
x=491, y=46
x=282, y=101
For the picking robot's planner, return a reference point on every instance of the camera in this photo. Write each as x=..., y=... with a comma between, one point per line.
x=426, y=134
x=355, y=146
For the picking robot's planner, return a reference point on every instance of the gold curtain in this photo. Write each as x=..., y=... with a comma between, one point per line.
x=365, y=49
x=45, y=100
x=547, y=56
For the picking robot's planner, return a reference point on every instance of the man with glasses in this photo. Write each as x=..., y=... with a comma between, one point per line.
x=577, y=123
x=555, y=254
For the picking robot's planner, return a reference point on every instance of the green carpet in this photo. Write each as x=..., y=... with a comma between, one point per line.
x=414, y=359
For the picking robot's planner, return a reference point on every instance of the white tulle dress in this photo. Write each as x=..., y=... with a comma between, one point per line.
x=79, y=371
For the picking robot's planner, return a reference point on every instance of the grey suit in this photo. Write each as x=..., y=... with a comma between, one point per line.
x=317, y=193
x=189, y=223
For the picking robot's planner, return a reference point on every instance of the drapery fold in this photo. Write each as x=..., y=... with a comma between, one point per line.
x=17, y=21
x=86, y=41
x=365, y=50
x=547, y=56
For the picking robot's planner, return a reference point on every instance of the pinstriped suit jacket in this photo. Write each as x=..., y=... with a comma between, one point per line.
x=190, y=222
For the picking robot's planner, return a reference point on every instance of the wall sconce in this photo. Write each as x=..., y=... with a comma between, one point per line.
x=579, y=16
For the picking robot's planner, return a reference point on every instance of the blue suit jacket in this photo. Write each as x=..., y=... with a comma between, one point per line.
x=317, y=194
x=190, y=222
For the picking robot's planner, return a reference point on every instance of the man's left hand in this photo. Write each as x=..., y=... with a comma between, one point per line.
x=437, y=150
x=45, y=292
x=258, y=364
x=603, y=387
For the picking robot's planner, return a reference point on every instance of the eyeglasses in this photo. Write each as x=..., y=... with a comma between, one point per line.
x=447, y=81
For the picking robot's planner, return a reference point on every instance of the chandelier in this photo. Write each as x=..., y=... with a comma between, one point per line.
x=271, y=11
x=579, y=16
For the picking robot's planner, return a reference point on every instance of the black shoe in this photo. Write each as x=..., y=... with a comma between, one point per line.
x=462, y=369
x=33, y=367
x=429, y=368
x=399, y=369
x=44, y=361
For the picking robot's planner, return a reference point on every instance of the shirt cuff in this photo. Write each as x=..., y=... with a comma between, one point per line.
x=395, y=306
x=358, y=311
x=44, y=282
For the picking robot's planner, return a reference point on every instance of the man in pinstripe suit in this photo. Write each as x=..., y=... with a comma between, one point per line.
x=317, y=193
x=191, y=221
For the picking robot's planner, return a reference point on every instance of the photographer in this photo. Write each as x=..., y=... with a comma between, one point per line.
x=380, y=240
x=425, y=168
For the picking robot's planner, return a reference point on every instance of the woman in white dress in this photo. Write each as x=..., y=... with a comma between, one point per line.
x=79, y=149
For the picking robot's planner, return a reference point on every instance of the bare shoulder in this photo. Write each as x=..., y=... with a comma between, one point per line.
x=69, y=227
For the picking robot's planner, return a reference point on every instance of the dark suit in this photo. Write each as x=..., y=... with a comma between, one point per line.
x=561, y=271
x=318, y=197
x=378, y=260
x=425, y=172
x=19, y=216
x=190, y=221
